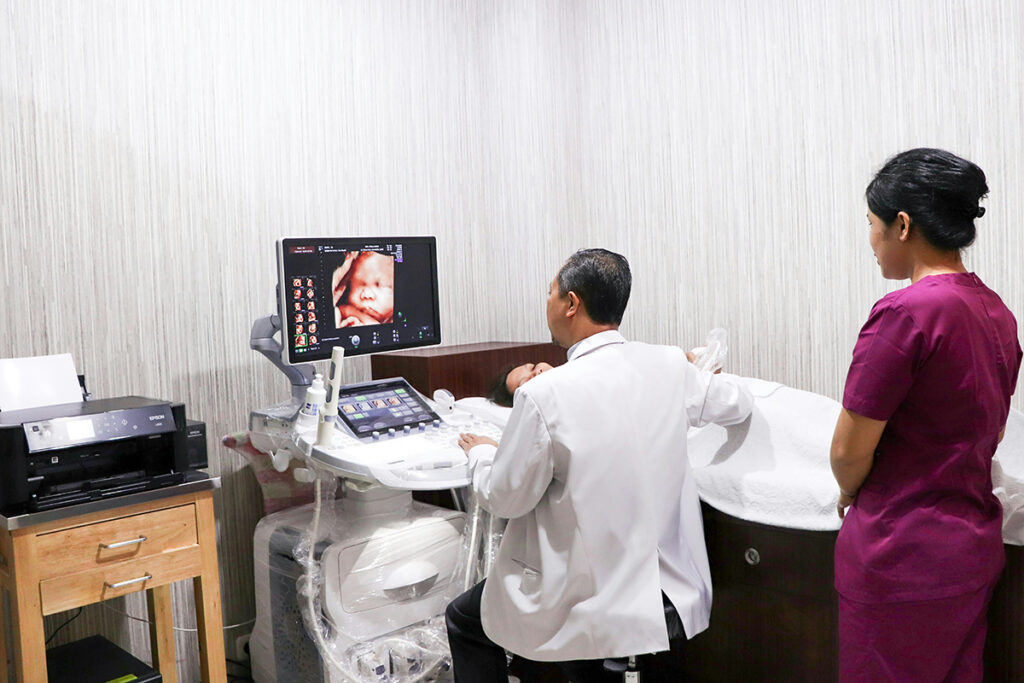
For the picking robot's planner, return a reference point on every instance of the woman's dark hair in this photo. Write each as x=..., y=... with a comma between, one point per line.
x=938, y=190
x=602, y=281
x=499, y=392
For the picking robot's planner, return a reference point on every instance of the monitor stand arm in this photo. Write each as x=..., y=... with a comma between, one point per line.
x=261, y=339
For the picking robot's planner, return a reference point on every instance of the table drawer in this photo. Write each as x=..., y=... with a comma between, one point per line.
x=68, y=592
x=107, y=543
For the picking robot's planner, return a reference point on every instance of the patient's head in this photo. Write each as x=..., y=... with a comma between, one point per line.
x=511, y=378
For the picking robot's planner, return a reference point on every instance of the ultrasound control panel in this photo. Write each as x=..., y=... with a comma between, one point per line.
x=391, y=435
x=384, y=408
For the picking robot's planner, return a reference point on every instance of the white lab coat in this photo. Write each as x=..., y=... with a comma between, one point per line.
x=604, y=516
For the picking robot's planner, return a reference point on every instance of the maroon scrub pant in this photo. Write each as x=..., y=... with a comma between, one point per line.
x=923, y=641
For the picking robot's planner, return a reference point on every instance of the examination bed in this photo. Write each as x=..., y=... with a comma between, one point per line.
x=770, y=527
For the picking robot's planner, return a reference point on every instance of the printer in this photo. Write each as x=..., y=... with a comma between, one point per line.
x=60, y=455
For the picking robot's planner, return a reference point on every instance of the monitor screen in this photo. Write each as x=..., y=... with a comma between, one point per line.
x=365, y=294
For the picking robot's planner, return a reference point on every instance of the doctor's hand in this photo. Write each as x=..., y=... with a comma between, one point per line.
x=468, y=441
x=845, y=501
x=692, y=357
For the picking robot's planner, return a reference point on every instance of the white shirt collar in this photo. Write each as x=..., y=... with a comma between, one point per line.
x=594, y=341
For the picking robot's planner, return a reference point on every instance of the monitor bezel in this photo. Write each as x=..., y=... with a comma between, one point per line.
x=282, y=303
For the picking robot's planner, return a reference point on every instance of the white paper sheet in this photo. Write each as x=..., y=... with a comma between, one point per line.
x=38, y=381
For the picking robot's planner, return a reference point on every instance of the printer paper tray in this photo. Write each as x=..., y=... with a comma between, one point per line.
x=61, y=499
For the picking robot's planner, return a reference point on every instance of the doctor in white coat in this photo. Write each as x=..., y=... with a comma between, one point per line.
x=592, y=473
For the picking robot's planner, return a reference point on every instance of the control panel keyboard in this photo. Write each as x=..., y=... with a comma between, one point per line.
x=426, y=456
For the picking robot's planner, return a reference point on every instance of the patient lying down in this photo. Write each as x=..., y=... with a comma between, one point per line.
x=514, y=376
x=497, y=406
x=511, y=378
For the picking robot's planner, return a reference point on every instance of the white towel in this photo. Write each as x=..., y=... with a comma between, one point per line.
x=773, y=468
x=485, y=409
x=1008, y=478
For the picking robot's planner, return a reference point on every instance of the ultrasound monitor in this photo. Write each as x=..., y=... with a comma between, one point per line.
x=366, y=294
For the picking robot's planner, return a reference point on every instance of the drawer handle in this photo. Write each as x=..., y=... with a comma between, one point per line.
x=122, y=584
x=752, y=557
x=111, y=546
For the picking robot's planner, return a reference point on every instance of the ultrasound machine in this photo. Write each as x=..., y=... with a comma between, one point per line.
x=354, y=586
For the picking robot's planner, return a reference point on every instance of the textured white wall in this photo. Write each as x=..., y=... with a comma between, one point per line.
x=150, y=153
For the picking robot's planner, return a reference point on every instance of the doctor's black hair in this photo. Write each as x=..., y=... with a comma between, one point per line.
x=938, y=190
x=602, y=281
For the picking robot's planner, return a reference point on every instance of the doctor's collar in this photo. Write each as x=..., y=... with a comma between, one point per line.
x=593, y=342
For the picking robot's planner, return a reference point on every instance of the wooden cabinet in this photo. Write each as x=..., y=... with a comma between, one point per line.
x=775, y=612
x=72, y=561
x=464, y=369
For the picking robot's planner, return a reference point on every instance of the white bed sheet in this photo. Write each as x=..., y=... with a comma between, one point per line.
x=774, y=468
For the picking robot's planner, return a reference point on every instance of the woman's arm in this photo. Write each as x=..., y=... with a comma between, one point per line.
x=853, y=453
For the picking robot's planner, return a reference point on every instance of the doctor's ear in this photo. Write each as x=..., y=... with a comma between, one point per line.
x=574, y=303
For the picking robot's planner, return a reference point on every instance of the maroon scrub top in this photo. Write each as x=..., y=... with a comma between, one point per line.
x=938, y=361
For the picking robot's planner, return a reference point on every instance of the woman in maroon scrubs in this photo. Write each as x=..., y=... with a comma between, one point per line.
x=925, y=405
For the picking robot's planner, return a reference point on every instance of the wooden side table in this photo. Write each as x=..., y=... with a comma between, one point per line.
x=52, y=562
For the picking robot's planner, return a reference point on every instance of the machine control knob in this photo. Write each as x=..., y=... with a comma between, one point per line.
x=376, y=435
x=391, y=431
x=437, y=423
x=752, y=557
x=422, y=427
x=406, y=429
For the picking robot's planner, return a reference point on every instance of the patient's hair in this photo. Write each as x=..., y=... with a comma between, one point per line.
x=601, y=279
x=499, y=392
x=938, y=190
